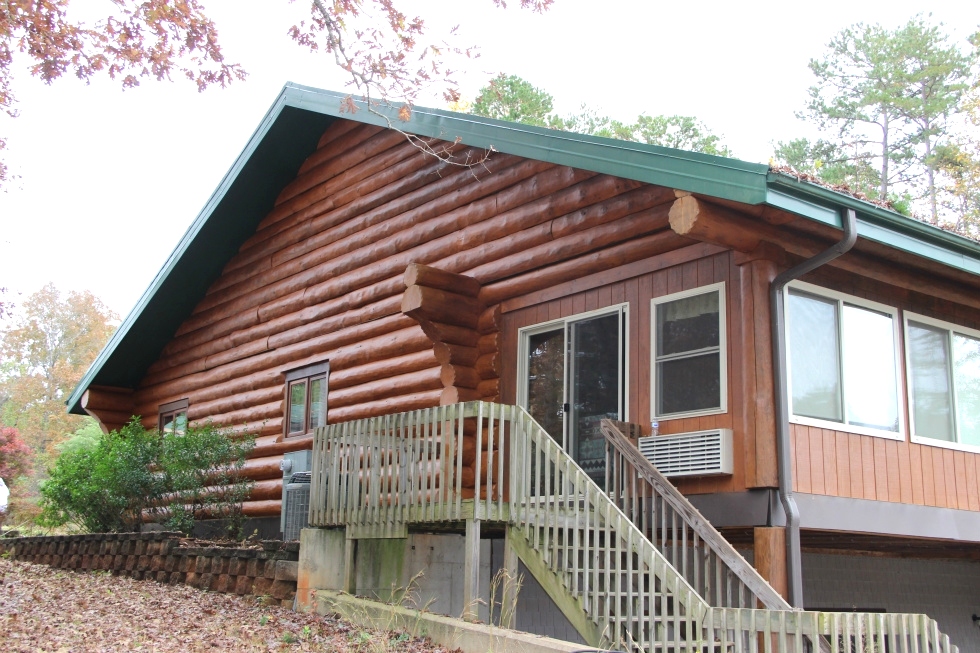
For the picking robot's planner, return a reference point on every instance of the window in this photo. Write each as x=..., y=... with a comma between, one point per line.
x=944, y=382
x=173, y=417
x=689, y=352
x=306, y=399
x=843, y=365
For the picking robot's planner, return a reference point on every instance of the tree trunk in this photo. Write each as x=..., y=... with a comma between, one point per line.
x=884, y=155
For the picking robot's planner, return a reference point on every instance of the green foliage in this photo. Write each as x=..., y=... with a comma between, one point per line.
x=509, y=97
x=105, y=488
x=202, y=475
x=886, y=96
x=85, y=437
x=108, y=486
x=831, y=164
x=679, y=132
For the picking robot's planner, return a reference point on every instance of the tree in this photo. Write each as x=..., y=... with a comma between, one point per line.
x=679, y=132
x=384, y=51
x=509, y=97
x=14, y=454
x=138, y=39
x=830, y=164
x=958, y=161
x=886, y=97
x=45, y=352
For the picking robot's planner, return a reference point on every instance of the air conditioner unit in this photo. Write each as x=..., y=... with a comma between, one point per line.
x=700, y=453
x=295, y=507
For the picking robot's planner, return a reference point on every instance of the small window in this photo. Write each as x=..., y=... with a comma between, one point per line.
x=690, y=360
x=944, y=382
x=173, y=418
x=306, y=399
x=843, y=362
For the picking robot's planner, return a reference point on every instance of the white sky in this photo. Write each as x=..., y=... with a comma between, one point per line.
x=109, y=180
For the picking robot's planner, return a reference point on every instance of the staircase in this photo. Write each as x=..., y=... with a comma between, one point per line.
x=633, y=567
x=637, y=594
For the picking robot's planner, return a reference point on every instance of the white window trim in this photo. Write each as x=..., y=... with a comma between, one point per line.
x=826, y=293
x=722, y=350
x=526, y=332
x=948, y=326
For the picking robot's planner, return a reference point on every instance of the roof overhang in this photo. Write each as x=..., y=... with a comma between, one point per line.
x=291, y=129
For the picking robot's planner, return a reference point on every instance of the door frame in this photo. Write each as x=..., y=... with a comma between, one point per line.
x=524, y=333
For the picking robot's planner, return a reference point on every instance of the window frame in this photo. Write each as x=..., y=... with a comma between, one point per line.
x=718, y=287
x=950, y=328
x=173, y=408
x=897, y=355
x=306, y=374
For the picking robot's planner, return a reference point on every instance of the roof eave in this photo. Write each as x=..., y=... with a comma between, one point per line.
x=881, y=225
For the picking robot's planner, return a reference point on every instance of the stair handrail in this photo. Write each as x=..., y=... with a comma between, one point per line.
x=569, y=488
x=668, y=492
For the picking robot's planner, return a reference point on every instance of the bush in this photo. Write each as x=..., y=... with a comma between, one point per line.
x=105, y=488
x=202, y=472
x=113, y=485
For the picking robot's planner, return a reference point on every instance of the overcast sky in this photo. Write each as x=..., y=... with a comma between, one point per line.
x=108, y=180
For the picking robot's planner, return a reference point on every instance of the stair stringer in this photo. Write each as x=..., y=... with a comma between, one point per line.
x=554, y=585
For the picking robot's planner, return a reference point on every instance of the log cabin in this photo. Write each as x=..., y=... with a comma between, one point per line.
x=663, y=385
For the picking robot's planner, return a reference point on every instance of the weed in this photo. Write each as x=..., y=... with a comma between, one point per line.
x=263, y=620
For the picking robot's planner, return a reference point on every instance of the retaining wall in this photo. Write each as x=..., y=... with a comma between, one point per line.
x=268, y=572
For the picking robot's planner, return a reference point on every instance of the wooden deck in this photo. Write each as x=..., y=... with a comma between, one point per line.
x=625, y=577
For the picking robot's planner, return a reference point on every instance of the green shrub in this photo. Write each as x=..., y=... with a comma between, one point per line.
x=112, y=485
x=107, y=487
x=202, y=471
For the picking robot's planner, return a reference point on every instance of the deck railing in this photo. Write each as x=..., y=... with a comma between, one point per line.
x=690, y=543
x=626, y=586
x=415, y=467
x=494, y=462
x=778, y=631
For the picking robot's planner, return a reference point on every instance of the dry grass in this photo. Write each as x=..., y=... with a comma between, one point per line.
x=45, y=609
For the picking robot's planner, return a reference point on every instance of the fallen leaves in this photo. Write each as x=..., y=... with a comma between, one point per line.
x=50, y=610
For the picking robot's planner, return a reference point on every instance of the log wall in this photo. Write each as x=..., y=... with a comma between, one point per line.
x=328, y=275
x=324, y=278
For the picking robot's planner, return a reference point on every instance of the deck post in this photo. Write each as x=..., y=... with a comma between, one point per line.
x=471, y=570
x=769, y=548
x=511, y=584
x=350, y=570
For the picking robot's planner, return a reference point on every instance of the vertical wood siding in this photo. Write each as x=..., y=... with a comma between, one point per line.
x=837, y=463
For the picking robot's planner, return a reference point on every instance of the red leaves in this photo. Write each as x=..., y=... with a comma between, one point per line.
x=385, y=51
x=14, y=453
x=142, y=38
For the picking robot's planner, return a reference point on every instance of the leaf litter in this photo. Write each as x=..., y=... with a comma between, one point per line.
x=57, y=611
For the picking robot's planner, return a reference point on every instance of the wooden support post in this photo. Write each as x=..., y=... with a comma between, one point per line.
x=350, y=568
x=471, y=571
x=769, y=545
x=511, y=585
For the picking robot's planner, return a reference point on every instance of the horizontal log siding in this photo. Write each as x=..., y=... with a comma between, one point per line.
x=628, y=285
x=323, y=277
x=836, y=463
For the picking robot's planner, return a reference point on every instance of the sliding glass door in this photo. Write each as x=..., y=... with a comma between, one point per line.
x=573, y=376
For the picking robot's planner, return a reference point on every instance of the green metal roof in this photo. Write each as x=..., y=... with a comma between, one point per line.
x=292, y=127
